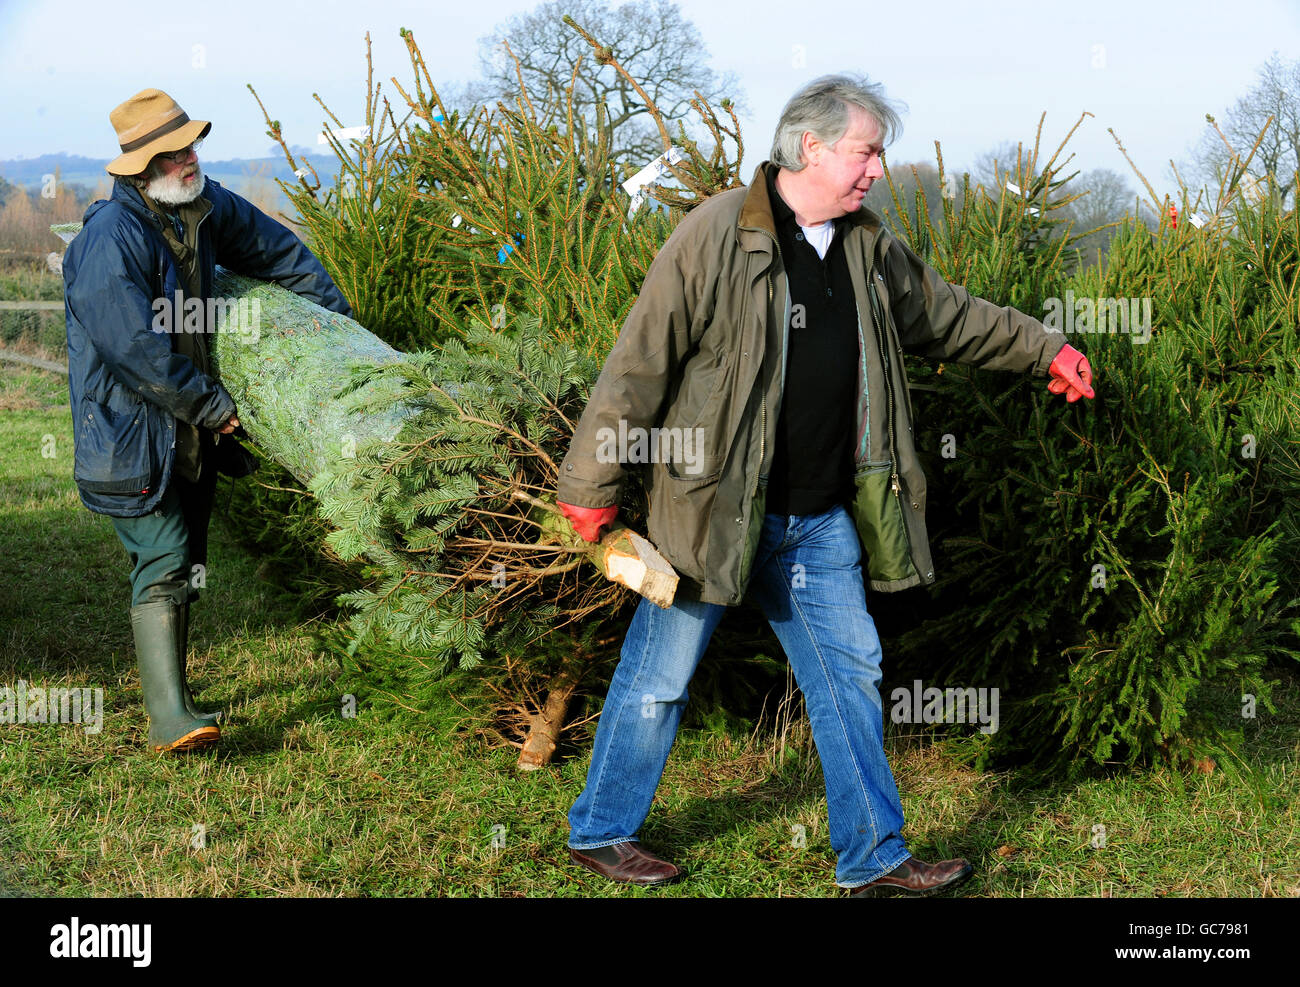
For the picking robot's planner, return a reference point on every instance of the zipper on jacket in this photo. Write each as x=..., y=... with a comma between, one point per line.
x=862, y=366
x=889, y=396
x=762, y=403
x=889, y=389
x=785, y=344
x=198, y=230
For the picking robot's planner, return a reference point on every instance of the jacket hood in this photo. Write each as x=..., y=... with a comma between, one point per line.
x=124, y=195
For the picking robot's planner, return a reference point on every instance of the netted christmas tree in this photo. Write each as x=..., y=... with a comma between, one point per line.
x=517, y=253
x=1116, y=567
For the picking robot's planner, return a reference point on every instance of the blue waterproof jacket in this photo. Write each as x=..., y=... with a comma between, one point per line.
x=126, y=385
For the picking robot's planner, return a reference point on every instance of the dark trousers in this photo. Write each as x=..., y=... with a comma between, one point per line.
x=165, y=544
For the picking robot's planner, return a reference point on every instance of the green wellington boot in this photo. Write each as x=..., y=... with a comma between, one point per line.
x=171, y=727
x=183, y=649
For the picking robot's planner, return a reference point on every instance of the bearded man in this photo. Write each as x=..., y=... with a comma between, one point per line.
x=147, y=414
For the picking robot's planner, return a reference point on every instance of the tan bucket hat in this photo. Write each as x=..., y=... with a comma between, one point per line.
x=151, y=123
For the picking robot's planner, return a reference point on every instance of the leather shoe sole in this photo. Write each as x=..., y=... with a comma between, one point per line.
x=916, y=879
x=634, y=865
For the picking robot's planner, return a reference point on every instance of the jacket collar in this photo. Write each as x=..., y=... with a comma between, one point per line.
x=128, y=195
x=756, y=216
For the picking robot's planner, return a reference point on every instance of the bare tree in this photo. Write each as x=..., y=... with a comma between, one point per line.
x=907, y=177
x=1276, y=94
x=1105, y=197
x=998, y=165
x=660, y=49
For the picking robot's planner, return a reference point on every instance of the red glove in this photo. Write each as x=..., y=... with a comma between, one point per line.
x=587, y=521
x=1071, y=375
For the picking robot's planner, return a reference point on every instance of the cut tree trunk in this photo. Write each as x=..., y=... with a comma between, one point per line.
x=544, y=727
x=627, y=558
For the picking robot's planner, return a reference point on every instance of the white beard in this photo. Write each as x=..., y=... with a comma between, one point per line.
x=173, y=191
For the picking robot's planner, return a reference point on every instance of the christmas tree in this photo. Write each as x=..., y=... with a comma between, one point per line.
x=1121, y=570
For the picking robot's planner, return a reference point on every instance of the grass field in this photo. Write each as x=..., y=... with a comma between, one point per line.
x=301, y=800
x=32, y=331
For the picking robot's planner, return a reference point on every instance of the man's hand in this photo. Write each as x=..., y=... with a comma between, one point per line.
x=587, y=521
x=1071, y=375
x=230, y=426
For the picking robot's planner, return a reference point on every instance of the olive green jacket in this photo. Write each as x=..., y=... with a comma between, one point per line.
x=703, y=350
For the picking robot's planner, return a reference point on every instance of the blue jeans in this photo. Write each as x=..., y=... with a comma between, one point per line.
x=807, y=580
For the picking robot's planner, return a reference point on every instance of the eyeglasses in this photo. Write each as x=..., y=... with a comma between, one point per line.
x=181, y=156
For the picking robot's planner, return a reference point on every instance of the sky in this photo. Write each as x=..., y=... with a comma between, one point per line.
x=972, y=75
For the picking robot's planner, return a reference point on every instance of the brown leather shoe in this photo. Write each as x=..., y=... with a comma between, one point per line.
x=916, y=879
x=634, y=865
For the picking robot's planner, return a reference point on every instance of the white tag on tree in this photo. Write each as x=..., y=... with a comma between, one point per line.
x=652, y=172
x=346, y=133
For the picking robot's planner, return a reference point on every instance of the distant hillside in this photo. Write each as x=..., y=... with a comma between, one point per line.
x=234, y=173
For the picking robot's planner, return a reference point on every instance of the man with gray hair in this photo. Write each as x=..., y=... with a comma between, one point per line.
x=775, y=319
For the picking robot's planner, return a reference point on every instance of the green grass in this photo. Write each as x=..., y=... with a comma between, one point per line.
x=298, y=800
x=40, y=333
x=33, y=281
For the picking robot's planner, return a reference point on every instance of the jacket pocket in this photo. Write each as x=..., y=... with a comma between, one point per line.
x=678, y=524
x=114, y=452
x=698, y=417
x=878, y=516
